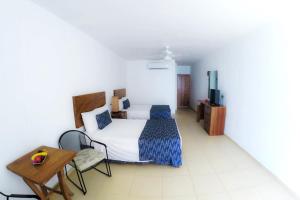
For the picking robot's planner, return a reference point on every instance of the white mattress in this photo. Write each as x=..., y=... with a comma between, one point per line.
x=138, y=112
x=121, y=136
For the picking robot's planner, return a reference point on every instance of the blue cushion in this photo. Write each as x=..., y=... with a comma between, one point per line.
x=103, y=119
x=126, y=104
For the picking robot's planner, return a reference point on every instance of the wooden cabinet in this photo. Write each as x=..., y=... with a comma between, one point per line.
x=214, y=117
x=120, y=115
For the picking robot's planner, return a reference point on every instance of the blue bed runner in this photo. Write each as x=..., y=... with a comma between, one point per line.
x=160, y=142
x=160, y=112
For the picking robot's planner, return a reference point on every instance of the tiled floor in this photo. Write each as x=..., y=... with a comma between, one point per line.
x=214, y=168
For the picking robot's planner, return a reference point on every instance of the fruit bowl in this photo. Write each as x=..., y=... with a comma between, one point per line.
x=39, y=157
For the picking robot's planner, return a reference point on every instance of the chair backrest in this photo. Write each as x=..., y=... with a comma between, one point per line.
x=74, y=140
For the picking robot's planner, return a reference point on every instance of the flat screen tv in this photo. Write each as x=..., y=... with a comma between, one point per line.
x=214, y=97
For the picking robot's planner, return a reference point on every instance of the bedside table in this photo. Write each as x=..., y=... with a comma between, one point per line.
x=120, y=115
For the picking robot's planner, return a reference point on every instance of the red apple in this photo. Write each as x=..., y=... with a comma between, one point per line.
x=38, y=159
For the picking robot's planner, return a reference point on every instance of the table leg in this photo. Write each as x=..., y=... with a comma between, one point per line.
x=35, y=189
x=67, y=188
x=63, y=187
x=44, y=189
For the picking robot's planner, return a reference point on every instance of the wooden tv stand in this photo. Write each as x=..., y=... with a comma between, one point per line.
x=214, y=117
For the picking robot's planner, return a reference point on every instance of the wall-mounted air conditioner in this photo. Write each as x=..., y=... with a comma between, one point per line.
x=159, y=64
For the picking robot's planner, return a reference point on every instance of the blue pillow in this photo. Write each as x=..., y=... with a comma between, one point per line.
x=126, y=104
x=103, y=119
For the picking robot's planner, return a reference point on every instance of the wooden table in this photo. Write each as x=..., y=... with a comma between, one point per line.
x=37, y=176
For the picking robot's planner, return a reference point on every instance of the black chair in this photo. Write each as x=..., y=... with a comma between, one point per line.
x=23, y=196
x=86, y=158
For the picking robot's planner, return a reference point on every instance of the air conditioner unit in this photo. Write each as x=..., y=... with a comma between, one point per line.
x=159, y=64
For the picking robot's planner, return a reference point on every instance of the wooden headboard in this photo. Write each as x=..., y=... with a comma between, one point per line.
x=120, y=93
x=86, y=103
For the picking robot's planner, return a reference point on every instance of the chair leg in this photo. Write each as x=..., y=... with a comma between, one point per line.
x=106, y=165
x=108, y=168
x=83, y=183
x=108, y=172
x=82, y=186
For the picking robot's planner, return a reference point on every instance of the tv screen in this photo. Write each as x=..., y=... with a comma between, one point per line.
x=214, y=97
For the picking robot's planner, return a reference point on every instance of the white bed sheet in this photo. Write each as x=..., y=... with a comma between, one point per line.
x=138, y=111
x=121, y=136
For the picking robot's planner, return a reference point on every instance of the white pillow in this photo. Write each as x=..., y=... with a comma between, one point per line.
x=109, y=108
x=124, y=98
x=120, y=105
x=89, y=118
x=104, y=108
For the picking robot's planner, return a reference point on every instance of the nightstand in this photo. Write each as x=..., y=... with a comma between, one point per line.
x=120, y=115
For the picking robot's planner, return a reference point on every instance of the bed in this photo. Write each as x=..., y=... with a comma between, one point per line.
x=144, y=111
x=156, y=141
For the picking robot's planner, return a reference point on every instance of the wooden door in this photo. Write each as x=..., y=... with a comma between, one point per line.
x=183, y=90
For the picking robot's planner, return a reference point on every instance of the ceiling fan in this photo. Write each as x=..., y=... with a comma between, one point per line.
x=166, y=55
x=169, y=55
x=166, y=62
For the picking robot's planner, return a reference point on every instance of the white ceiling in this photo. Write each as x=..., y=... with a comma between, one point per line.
x=139, y=29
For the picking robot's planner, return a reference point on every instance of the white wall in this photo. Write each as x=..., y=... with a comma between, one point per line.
x=43, y=63
x=259, y=77
x=146, y=86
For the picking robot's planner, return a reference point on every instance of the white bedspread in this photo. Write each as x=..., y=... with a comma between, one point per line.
x=138, y=112
x=121, y=136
